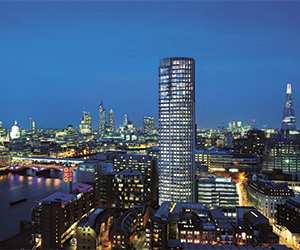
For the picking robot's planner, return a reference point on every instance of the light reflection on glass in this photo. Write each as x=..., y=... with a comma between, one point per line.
x=57, y=182
x=21, y=178
x=48, y=182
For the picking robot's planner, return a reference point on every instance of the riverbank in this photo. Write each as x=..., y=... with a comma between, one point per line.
x=21, y=240
x=15, y=187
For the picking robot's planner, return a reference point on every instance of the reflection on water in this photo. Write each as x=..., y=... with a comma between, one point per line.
x=15, y=187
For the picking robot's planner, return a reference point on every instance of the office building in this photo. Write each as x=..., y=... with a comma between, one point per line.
x=98, y=173
x=267, y=195
x=289, y=118
x=148, y=126
x=85, y=126
x=176, y=129
x=214, y=191
x=288, y=217
x=225, y=160
x=253, y=143
x=288, y=214
x=125, y=121
x=102, y=119
x=283, y=155
x=111, y=120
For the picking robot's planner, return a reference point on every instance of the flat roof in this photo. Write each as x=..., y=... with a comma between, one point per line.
x=81, y=187
x=168, y=209
x=59, y=197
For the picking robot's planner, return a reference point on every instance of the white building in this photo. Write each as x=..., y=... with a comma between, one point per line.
x=15, y=131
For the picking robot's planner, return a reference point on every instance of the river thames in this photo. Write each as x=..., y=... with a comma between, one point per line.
x=14, y=187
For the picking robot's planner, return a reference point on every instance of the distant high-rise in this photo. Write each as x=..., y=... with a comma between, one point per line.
x=289, y=118
x=125, y=122
x=102, y=119
x=86, y=123
x=111, y=120
x=176, y=129
x=32, y=124
x=148, y=125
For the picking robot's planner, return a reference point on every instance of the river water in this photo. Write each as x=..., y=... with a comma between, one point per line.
x=15, y=187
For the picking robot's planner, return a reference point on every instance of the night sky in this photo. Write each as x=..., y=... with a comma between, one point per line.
x=58, y=59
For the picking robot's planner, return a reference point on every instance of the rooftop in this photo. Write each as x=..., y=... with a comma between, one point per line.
x=176, y=243
x=90, y=220
x=168, y=209
x=133, y=157
x=59, y=197
x=81, y=188
x=295, y=201
x=129, y=172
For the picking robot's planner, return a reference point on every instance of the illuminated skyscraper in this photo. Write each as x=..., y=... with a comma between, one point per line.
x=176, y=129
x=86, y=123
x=102, y=119
x=148, y=125
x=32, y=125
x=289, y=118
x=125, y=122
x=111, y=120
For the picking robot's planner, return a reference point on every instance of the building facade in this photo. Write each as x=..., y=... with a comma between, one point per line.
x=111, y=120
x=129, y=187
x=146, y=165
x=289, y=118
x=267, y=195
x=85, y=126
x=283, y=155
x=55, y=217
x=176, y=129
x=148, y=125
x=216, y=191
x=102, y=119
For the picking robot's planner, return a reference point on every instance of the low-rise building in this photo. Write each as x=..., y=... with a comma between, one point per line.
x=215, y=191
x=226, y=160
x=87, y=232
x=288, y=218
x=253, y=228
x=55, y=217
x=267, y=195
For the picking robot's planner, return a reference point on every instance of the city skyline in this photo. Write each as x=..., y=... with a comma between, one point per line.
x=149, y=125
x=65, y=58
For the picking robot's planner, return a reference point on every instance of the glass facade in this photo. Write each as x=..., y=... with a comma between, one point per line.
x=102, y=119
x=86, y=123
x=176, y=129
x=216, y=191
x=284, y=156
x=289, y=118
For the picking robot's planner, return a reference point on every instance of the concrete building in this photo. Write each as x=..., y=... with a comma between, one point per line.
x=55, y=217
x=267, y=195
